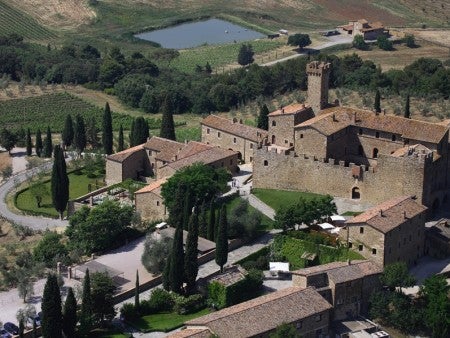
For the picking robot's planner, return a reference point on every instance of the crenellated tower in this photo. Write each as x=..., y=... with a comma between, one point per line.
x=318, y=83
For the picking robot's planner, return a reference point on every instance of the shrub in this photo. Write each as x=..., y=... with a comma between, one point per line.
x=191, y=304
x=162, y=300
x=128, y=311
x=359, y=43
x=384, y=43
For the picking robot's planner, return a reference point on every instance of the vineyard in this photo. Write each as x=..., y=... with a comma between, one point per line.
x=15, y=21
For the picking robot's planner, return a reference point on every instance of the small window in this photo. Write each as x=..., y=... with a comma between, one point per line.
x=406, y=141
x=360, y=132
x=350, y=245
x=318, y=318
x=299, y=325
x=393, y=138
x=340, y=301
x=361, y=230
x=251, y=159
x=286, y=141
x=234, y=140
x=149, y=153
x=360, y=247
x=218, y=134
x=207, y=130
x=301, y=135
x=157, y=203
x=375, y=153
x=374, y=251
x=251, y=145
x=266, y=163
x=377, y=134
x=274, y=123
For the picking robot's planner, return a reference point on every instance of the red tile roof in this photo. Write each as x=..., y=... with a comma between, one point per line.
x=290, y=109
x=124, y=154
x=152, y=186
x=192, y=333
x=192, y=148
x=166, y=149
x=207, y=156
x=250, y=133
x=390, y=214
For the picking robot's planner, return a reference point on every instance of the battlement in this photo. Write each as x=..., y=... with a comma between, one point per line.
x=317, y=68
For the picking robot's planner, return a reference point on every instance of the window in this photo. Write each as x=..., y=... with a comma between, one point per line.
x=350, y=245
x=299, y=325
x=374, y=251
x=360, y=247
x=393, y=138
x=361, y=230
x=251, y=159
x=318, y=318
x=157, y=203
x=207, y=130
x=251, y=145
x=360, y=132
x=273, y=139
x=377, y=134
x=375, y=153
x=340, y=301
x=218, y=134
x=301, y=135
x=356, y=194
x=274, y=123
x=406, y=141
x=266, y=163
x=286, y=141
x=149, y=153
x=234, y=140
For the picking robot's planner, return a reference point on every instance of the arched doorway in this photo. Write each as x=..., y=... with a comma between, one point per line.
x=356, y=195
x=273, y=139
x=375, y=153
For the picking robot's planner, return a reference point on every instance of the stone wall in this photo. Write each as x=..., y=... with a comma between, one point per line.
x=365, y=240
x=135, y=165
x=318, y=83
x=113, y=172
x=150, y=206
x=281, y=129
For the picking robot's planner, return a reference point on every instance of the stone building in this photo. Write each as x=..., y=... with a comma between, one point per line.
x=437, y=239
x=149, y=202
x=232, y=135
x=393, y=231
x=318, y=84
x=369, y=30
x=358, y=154
x=347, y=286
x=130, y=163
x=161, y=151
x=305, y=308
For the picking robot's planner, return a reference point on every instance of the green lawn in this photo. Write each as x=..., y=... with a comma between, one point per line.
x=78, y=186
x=166, y=321
x=278, y=198
x=107, y=333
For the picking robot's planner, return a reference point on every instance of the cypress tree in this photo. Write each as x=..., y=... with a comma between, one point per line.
x=29, y=144
x=68, y=132
x=212, y=222
x=107, y=131
x=132, y=133
x=377, y=103
x=166, y=273
x=176, y=274
x=70, y=315
x=141, y=132
x=34, y=332
x=190, y=259
x=38, y=145
x=407, y=109
x=176, y=211
x=21, y=328
x=263, y=117
x=80, y=134
x=120, y=145
x=216, y=226
x=86, y=306
x=167, y=124
x=202, y=223
x=48, y=145
x=59, y=182
x=136, y=291
x=222, y=239
x=187, y=208
x=51, y=309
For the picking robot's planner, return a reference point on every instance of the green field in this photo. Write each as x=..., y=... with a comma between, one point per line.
x=166, y=321
x=15, y=21
x=278, y=198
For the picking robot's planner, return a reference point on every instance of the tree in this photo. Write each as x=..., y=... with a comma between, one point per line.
x=92, y=132
x=167, y=124
x=410, y=41
x=120, y=143
x=211, y=222
x=49, y=249
x=59, y=182
x=131, y=135
x=107, y=131
x=29, y=143
x=68, y=132
x=136, y=291
x=359, y=43
x=300, y=40
x=397, y=275
x=6, y=172
x=21, y=328
x=263, y=117
x=51, y=321
x=80, y=134
x=285, y=331
x=190, y=259
x=202, y=221
x=222, y=239
x=7, y=140
x=25, y=285
x=377, y=102
x=38, y=145
x=86, y=313
x=102, y=291
x=245, y=56
x=208, y=69
x=39, y=191
x=384, y=43
x=48, y=144
x=70, y=315
x=155, y=253
x=407, y=110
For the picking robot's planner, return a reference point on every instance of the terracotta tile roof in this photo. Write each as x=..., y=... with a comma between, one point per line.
x=250, y=133
x=124, y=154
x=230, y=276
x=334, y=119
x=353, y=271
x=152, y=186
x=192, y=333
x=290, y=109
x=264, y=313
x=166, y=149
x=192, y=148
x=390, y=214
x=318, y=269
x=207, y=156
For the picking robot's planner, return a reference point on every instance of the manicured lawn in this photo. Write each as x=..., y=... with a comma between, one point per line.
x=165, y=321
x=278, y=198
x=78, y=186
x=107, y=333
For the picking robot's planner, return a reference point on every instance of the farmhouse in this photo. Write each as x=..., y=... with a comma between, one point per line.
x=369, y=30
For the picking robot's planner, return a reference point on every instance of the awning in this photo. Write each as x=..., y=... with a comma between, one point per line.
x=279, y=266
x=337, y=218
x=326, y=226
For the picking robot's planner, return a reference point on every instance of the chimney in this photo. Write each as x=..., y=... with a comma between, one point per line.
x=381, y=212
x=334, y=117
x=404, y=215
x=240, y=121
x=282, y=110
x=354, y=117
x=384, y=111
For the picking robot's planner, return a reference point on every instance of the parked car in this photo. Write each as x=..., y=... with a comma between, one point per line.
x=11, y=328
x=4, y=333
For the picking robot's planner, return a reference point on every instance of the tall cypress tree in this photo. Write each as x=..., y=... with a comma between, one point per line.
x=51, y=309
x=263, y=117
x=70, y=315
x=377, y=103
x=38, y=145
x=176, y=211
x=80, y=134
x=212, y=222
x=29, y=143
x=176, y=273
x=120, y=143
x=190, y=259
x=216, y=226
x=86, y=313
x=222, y=239
x=132, y=133
x=187, y=208
x=59, y=182
x=167, y=124
x=407, y=109
x=141, y=132
x=166, y=272
x=48, y=144
x=107, y=131
x=136, y=291
x=68, y=132
x=21, y=328
x=202, y=222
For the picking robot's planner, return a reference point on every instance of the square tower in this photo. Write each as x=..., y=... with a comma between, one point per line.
x=318, y=82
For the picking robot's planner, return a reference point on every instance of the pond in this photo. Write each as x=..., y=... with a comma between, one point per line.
x=194, y=34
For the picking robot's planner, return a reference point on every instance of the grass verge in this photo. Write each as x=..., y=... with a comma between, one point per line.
x=278, y=198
